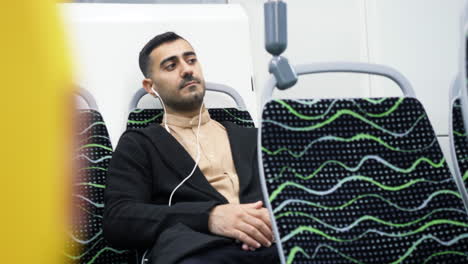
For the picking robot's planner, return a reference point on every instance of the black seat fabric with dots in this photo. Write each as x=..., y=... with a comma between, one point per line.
x=140, y=118
x=360, y=181
x=460, y=140
x=86, y=244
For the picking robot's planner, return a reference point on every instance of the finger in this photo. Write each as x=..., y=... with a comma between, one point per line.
x=259, y=223
x=262, y=214
x=254, y=232
x=265, y=215
x=256, y=205
x=245, y=247
x=246, y=239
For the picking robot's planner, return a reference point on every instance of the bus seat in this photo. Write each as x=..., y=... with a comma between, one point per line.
x=93, y=152
x=358, y=180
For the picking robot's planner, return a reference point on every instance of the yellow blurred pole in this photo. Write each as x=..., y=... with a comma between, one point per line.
x=35, y=132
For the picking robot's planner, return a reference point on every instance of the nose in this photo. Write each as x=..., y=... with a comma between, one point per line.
x=186, y=70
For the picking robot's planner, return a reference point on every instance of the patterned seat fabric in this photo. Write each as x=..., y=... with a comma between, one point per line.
x=460, y=140
x=140, y=118
x=86, y=243
x=360, y=181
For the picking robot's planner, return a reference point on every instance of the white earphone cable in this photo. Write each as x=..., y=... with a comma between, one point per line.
x=196, y=160
x=164, y=108
x=144, y=259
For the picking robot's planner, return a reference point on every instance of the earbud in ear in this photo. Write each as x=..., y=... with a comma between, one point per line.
x=164, y=107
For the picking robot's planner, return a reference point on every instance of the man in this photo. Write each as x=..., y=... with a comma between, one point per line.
x=216, y=215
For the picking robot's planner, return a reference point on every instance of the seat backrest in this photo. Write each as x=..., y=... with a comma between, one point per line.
x=140, y=118
x=359, y=181
x=94, y=151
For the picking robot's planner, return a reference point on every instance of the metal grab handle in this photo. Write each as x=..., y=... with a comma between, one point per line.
x=215, y=87
x=355, y=67
x=87, y=97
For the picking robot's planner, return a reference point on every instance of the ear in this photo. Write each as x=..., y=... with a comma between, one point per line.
x=147, y=84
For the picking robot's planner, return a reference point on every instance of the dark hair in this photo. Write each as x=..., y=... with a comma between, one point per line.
x=144, y=59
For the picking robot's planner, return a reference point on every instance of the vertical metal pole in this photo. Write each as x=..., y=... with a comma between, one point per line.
x=276, y=41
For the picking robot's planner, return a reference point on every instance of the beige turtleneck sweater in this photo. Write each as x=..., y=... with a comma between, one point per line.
x=215, y=151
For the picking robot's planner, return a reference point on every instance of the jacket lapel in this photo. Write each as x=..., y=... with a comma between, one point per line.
x=243, y=145
x=174, y=154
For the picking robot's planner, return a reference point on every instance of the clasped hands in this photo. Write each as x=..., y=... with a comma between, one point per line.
x=247, y=223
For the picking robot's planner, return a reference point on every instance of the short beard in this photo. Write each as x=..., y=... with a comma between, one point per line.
x=187, y=104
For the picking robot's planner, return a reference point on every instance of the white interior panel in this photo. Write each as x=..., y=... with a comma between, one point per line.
x=107, y=38
x=420, y=39
x=318, y=31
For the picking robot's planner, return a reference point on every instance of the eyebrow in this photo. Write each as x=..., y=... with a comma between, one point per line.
x=185, y=54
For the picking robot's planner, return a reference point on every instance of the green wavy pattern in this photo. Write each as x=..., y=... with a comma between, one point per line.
x=413, y=247
x=93, y=168
x=434, y=223
x=84, y=253
x=306, y=117
x=362, y=219
x=236, y=117
x=296, y=249
x=137, y=111
x=346, y=112
x=91, y=126
x=92, y=254
x=360, y=197
x=309, y=229
x=146, y=120
x=358, y=137
x=88, y=212
x=406, y=185
x=101, y=186
x=448, y=252
x=98, y=205
x=386, y=113
x=413, y=166
x=95, y=146
x=93, y=259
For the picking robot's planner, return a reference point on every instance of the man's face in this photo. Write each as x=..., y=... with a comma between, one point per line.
x=177, y=76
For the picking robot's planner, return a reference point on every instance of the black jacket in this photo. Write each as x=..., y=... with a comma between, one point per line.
x=146, y=166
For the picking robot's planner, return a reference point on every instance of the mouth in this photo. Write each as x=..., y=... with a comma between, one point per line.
x=189, y=84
